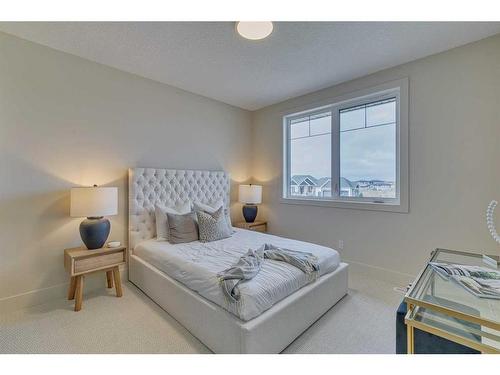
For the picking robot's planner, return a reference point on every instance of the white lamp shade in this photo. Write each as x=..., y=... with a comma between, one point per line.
x=251, y=194
x=94, y=201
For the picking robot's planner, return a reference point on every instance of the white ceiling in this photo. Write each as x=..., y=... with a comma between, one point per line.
x=210, y=59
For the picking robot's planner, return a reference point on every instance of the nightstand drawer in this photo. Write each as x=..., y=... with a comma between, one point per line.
x=98, y=262
x=258, y=228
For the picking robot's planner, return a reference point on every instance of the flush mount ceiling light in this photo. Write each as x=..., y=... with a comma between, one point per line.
x=254, y=30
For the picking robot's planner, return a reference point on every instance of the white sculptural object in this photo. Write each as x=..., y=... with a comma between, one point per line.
x=490, y=220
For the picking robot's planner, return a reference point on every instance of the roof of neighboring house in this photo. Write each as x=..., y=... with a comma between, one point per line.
x=345, y=183
x=304, y=179
x=324, y=181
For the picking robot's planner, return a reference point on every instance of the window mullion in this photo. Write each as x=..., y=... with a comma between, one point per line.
x=289, y=158
x=335, y=153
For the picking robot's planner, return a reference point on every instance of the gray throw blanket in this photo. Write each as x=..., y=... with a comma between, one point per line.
x=306, y=262
x=245, y=269
x=250, y=264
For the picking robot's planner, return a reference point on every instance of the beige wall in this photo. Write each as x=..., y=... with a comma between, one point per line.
x=454, y=171
x=65, y=121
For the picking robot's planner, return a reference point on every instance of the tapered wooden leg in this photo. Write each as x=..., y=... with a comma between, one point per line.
x=118, y=282
x=109, y=277
x=79, y=293
x=72, y=287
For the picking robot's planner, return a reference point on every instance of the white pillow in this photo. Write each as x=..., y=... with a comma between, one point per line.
x=211, y=208
x=162, y=229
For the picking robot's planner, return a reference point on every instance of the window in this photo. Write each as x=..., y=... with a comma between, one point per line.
x=352, y=153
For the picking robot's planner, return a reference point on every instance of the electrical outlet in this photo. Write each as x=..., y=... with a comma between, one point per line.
x=341, y=244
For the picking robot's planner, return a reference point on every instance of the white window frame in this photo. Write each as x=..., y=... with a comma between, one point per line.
x=395, y=89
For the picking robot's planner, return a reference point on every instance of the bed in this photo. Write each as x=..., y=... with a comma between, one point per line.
x=181, y=278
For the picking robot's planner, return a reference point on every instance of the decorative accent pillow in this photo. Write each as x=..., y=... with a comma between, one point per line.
x=198, y=206
x=212, y=226
x=182, y=228
x=162, y=229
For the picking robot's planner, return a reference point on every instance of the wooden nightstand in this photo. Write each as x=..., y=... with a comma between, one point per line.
x=80, y=262
x=258, y=226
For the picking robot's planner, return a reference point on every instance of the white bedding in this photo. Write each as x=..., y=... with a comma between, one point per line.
x=196, y=265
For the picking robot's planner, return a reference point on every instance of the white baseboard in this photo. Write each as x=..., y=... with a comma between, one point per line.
x=394, y=277
x=52, y=293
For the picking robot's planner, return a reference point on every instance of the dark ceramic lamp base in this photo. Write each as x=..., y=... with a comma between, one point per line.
x=249, y=212
x=94, y=232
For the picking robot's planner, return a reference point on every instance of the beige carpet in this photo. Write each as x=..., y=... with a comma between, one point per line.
x=362, y=322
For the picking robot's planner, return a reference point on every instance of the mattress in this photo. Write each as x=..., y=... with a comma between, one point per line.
x=196, y=265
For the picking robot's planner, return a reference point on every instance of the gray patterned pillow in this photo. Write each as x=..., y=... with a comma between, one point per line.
x=198, y=206
x=212, y=226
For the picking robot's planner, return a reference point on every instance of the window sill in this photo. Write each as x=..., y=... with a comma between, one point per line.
x=371, y=206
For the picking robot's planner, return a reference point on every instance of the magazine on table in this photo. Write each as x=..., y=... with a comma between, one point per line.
x=480, y=281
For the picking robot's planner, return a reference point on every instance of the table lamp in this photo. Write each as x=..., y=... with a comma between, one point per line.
x=94, y=203
x=250, y=196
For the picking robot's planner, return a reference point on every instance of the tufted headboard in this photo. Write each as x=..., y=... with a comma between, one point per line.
x=170, y=187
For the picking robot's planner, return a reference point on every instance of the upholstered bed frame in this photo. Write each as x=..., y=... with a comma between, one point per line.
x=221, y=331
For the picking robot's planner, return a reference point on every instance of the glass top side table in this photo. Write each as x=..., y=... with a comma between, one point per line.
x=445, y=308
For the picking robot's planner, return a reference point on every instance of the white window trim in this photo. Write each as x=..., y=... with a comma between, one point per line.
x=397, y=87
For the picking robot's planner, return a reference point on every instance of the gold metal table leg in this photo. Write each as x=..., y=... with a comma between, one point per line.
x=410, y=333
x=410, y=339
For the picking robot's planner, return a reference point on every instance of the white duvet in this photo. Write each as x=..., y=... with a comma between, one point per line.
x=196, y=265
